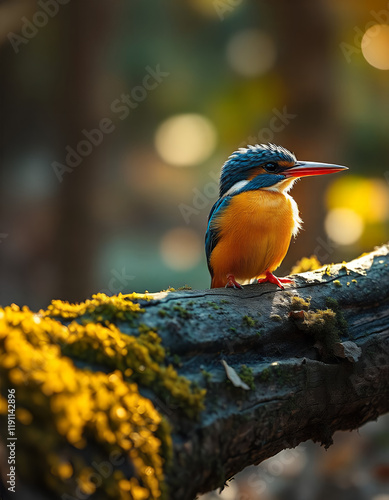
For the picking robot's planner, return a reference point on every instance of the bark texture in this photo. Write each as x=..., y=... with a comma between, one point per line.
x=318, y=353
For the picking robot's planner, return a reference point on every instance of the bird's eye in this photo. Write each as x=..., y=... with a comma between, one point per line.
x=271, y=167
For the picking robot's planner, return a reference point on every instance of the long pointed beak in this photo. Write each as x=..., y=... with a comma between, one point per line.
x=305, y=168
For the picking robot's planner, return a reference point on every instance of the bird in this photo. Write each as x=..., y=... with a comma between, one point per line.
x=252, y=223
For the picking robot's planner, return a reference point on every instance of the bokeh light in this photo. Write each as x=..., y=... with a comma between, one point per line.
x=368, y=197
x=375, y=46
x=251, y=53
x=344, y=226
x=204, y=7
x=185, y=140
x=181, y=248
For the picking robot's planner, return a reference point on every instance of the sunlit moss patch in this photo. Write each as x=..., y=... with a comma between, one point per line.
x=306, y=264
x=100, y=307
x=63, y=405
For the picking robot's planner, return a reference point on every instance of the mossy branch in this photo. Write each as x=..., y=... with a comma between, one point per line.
x=189, y=387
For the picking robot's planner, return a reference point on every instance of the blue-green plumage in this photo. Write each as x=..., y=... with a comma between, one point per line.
x=242, y=162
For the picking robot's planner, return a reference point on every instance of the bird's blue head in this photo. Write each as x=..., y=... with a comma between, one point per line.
x=266, y=165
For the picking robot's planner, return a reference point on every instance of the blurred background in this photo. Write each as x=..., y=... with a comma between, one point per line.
x=116, y=118
x=355, y=467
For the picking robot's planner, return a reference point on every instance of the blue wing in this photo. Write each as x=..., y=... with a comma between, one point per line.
x=212, y=234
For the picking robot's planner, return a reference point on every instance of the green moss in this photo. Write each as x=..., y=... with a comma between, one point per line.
x=249, y=321
x=332, y=303
x=232, y=329
x=213, y=305
x=326, y=325
x=162, y=313
x=207, y=375
x=246, y=374
x=223, y=301
x=259, y=333
x=182, y=312
x=337, y=283
x=185, y=287
x=340, y=319
x=278, y=374
x=275, y=317
x=322, y=324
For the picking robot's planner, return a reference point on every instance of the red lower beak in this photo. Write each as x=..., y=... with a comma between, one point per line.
x=305, y=168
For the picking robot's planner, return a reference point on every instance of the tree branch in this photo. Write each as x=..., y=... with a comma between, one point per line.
x=302, y=386
x=308, y=361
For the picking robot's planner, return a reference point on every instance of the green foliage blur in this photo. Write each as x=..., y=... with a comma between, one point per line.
x=117, y=117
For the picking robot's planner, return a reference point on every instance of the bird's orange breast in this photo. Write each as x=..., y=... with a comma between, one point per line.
x=255, y=231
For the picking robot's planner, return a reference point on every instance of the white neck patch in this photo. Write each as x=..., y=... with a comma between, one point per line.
x=281, y=187
x=236, y=187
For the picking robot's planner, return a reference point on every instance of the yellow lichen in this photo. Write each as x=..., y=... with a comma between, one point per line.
x=100, y=307
x=143, y=355
x=306, y=264
x=318, y=318
x=299, y=303
x=64, y=405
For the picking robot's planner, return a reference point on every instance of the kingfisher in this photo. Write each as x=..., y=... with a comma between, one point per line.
x=252, y=223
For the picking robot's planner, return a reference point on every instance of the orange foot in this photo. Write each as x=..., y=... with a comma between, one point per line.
x=273, y=279
x=232, y=283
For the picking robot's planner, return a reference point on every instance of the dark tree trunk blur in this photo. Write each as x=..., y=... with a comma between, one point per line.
x=83, y=31
x=305, y=31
